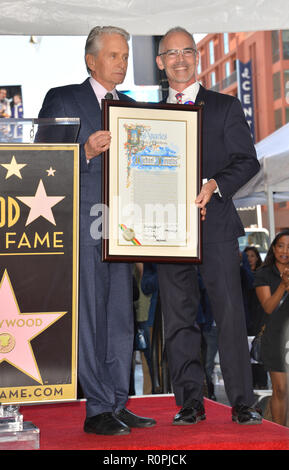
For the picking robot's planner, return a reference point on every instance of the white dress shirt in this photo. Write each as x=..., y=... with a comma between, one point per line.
x=189, y=94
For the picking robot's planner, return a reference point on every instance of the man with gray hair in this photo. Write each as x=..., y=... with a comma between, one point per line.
x=106, y=326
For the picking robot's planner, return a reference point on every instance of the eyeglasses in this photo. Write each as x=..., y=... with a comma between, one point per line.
x=174, y=53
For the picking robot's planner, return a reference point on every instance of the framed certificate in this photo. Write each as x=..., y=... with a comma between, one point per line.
x=151, y=178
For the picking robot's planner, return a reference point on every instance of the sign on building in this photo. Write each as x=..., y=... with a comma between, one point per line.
x=245, y=92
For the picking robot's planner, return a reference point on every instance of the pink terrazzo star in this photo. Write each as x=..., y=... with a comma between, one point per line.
x=18, y=329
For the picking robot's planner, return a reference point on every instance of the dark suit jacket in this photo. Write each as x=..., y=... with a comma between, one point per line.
x=229, y=157
x=80, y=101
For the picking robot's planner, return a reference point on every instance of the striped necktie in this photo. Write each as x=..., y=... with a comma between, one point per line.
x=179, y=98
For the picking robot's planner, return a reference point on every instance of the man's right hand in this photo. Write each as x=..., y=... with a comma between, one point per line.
x=97, y=143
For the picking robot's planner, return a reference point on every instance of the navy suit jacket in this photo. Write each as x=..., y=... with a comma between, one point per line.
x=79, y=101
x=229, y=157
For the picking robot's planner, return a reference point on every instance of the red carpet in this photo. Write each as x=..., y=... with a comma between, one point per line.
x=61, y=429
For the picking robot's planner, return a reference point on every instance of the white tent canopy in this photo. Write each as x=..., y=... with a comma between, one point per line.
x=149, y=17
x=271, y=184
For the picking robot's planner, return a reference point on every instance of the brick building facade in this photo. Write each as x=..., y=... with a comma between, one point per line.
x=268, y=52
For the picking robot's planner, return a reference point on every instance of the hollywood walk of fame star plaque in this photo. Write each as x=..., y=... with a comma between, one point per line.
x=38, y=272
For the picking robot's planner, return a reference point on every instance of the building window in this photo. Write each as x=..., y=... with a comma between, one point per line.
x=212, y=52
x=199, y=68
x=227, y=69
x=276, y=85
x=213, y=79
x=278, y=118
x=226, y=43
x=285, y=43
x=287, y=114
x=275, y=46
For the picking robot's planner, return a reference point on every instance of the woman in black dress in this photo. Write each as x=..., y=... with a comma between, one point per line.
x=272, y=286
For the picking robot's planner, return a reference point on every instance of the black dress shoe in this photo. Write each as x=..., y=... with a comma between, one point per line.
x=134, y=421
x=190, y=414
x=107, y=424
x=243, y=414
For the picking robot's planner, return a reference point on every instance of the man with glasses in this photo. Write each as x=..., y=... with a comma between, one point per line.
x=229, y=161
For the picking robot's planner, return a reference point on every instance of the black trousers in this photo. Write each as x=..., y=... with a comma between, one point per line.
x=179, y=291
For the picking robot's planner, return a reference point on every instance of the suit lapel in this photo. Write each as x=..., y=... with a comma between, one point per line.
x=88, y=103
x=201, y=96
x=121, y=96
x=124, y=97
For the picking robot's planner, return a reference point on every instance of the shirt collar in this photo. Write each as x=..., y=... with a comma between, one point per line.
x=189, y=93
x=100, y=91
